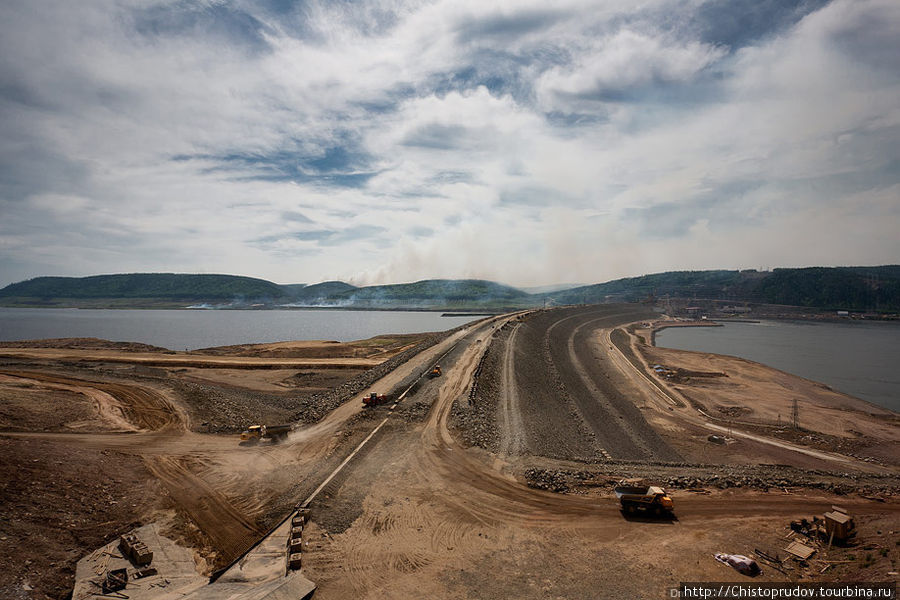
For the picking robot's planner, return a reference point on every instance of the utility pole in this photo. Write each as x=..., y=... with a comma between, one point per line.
x=795, y=414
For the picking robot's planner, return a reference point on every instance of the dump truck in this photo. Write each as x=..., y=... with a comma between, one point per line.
x=276, y=433
x=647, y=498
x=374, y=399
x=436, y=371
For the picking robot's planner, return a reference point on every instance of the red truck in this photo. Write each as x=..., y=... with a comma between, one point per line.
x=375, y=399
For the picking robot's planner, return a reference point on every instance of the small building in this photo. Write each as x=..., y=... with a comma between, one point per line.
x=838, y=524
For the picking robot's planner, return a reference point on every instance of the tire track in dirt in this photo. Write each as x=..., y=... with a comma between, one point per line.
x=230, y=532
x=512, y=429
x=602, y=414
x=635, y=438
x=144, y=408
x=595, y=414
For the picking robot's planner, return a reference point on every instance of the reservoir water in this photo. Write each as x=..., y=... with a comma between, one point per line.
x=857, y=358
x=193, y=329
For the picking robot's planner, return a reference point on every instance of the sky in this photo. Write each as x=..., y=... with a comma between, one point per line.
x=529, y=143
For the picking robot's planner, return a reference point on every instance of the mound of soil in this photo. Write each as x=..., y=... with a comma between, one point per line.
x=59, y=501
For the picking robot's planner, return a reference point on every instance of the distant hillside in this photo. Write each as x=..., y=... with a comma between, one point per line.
x=317, y=293
x=857, y=288
x=850, y=288
x=847, y=288
x=435, y=291
x=154, y=286
x=702, y=284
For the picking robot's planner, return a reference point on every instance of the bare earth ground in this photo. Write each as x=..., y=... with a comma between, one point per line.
x=441, y=521
x=134, y=456
x=450, y=499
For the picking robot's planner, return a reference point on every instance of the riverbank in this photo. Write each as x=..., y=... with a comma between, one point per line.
x=748, y=395
x=855, y=358
x=660, y=325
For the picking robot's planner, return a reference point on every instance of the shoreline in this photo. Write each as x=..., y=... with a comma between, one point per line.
x=656, y=327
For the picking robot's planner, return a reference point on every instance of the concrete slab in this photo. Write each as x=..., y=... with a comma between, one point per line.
x=177, y=572
x=266, y=562
x=292, y=587
x=258, y=576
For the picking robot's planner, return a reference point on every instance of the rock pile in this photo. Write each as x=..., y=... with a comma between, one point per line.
x=685, y=476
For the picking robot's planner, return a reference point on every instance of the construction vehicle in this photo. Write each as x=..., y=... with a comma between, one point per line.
x=276, y=433
x=436, y=371
x=374, y=399
x=648, y=498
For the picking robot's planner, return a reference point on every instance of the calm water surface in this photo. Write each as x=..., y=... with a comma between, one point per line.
x=192, y=329
x=860, y=359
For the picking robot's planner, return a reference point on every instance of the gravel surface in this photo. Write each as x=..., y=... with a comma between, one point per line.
x=689, y=476
x=475, y=419
x=571, y=403
x=316, y=406
x=597, y=388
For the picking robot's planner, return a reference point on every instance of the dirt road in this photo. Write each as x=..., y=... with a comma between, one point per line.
x=512, y=432
x=420, y=513
x=188, y=359
x=432, y=518
x=558, y=400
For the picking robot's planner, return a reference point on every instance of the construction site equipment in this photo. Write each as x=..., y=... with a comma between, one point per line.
x=436, y=371
x=276, y=433
x=838, y=524
x=135, y=550
x=145, y=572
x=115, y=580
x=375, y=399
x=647, y=498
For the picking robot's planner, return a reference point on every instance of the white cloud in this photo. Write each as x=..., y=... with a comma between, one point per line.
x=622, y=63
x=521, y=143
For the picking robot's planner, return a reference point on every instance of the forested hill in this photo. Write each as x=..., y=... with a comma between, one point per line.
x=146, y=286
x=848, y=288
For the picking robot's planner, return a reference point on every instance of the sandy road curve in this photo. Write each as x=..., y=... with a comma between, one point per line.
x=165, y=445
x=228, y=528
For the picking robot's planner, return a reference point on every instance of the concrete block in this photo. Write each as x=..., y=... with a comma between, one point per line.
x=294, y=561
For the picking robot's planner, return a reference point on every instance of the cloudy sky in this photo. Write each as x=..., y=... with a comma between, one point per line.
x=387, y=141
